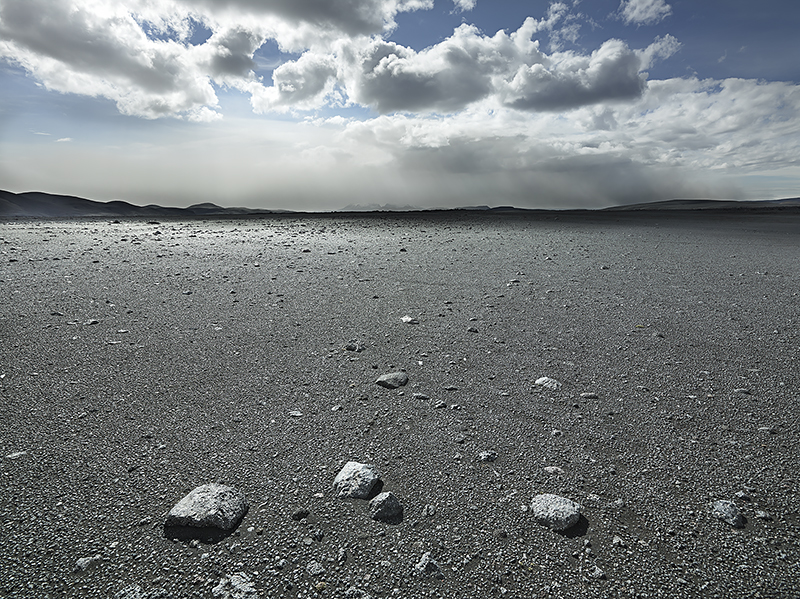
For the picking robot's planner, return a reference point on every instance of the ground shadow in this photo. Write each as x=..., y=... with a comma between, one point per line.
x=394, y=520
x=579, y=529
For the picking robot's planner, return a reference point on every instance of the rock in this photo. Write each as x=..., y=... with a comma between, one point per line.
x=235, y=586
x=553, y=470
x=393, y=380
x=743, y=391
x=589, y=395
x=296, y=414
x=596, y=573
x=762, y=515
x=548, y=383
x=556, y=433
x=557, y=513
x=298, y=515
x=315, y=569
x=212, y=505
x=354, y=346
x=472, y=330
x=409, y=320
x=85, y=563
x=386, y=507
x=727, y=512
x=133, y=591
x=356, y=480
x=427, y=565
x=422, y=396
x=16, y=454
x=487, y=456
x=618, y=541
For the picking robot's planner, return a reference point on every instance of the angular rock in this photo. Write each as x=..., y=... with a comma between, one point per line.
x=490, y=455
x=427, y=565
x=393, y=380
x=235, y=586
x=212, y=506
x=356, y=480
x=84, y=563
x=727, y=512
x=555, y=512
x=548, y=383
x=386, y=507
x=315, y=569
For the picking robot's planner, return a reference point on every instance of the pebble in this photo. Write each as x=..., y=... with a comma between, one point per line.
x=133, y=591
x=427, y=565
x=618, y=541
x=553, y=470
x=393, y=380
x=16, y=454
x=300, y=514
x=296, y=414
x=386, y=507
x=727, y=512
x=315, y=569
x=420, y=396
x=85, y=563
x=589, y=395
x=487, y=456
x=212, y=505
x=596, y=573
x=555, y=512
x=409, y=320
x=762, y=515
x=548, y=383
x=356, y=480
x=742, y=391
x=235, y=586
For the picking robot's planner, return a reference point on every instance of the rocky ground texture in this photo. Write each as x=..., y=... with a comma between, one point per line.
x=140, y=360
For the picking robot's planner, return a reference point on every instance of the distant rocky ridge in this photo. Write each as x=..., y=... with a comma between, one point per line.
x=44, y=205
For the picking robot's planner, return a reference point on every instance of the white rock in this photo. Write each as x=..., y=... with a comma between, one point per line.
x=393, y=380
x=427, y=565
x=356, y=480
x=728, y=513
x=235, y=586
x=212, y=505
x=557, y=513
x=553, y=470
x=548, y=383
x=85, y=563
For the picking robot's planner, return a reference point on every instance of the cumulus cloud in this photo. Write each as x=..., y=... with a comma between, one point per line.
x=644, y=12
x=465, y=5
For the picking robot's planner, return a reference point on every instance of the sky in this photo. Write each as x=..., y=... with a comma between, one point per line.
x=321, y=104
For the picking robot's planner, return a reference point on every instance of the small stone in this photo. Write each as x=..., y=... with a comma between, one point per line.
x=421, y=396
x=315, y=569
x=553, y=470
x=296, y=414
x=16, y=454
x=212, y=505
x=354, y=346
x=356, y=480
x=472, y=330
x=618, y=541
x=427, y=565
x=386, y=507
x=409, y=320
x=487, y=456
x=743, y=391
x=300, y=514
x=762, y=515
x=85, y=563
x=589, y=395
x=341, y=556
x=133, y=591
x=596, y=573
x=439, y=405
x=548, y=383
x=557, y=513
x=393, y=380
x=742, y=495
x=428, y=511
x=556, y=433
x=235, y=586
x=728, y=513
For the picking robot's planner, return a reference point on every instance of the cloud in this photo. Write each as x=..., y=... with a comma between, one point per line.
x=64, y=139
x=464, y=5
x=644, y=12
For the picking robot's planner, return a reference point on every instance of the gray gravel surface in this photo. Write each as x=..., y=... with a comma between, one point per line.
x=139, y=361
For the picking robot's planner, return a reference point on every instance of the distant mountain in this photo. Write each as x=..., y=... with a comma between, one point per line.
x=673, y=205
x=45, y=205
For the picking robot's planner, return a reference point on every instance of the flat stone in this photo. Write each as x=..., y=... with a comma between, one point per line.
x=356, y=480
x=727, y=512
x=548, y=383
x=386, y=507
x=393, y=380
x=555, y=512
x=235, y=586
x=489, y=455
x=212, y=505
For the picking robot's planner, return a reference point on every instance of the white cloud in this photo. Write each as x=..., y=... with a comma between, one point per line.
x=644, y=12
x=64, y=139
x=465, y=5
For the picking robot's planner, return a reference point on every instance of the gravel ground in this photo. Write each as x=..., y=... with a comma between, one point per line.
x=141, y=360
